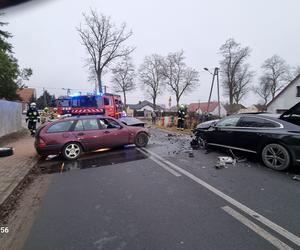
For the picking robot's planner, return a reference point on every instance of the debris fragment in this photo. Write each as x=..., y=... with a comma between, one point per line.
x=223, y=160
x=296, y=178
x=191, y=154
x=220, y=164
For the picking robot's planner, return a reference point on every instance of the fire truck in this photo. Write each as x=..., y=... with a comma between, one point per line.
x=90, y=104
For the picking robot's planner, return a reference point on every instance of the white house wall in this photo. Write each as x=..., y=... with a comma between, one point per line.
x=146, y=108
x=287, y=99
x=215, y=112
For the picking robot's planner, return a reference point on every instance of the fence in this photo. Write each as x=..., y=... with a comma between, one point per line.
x=10, y=117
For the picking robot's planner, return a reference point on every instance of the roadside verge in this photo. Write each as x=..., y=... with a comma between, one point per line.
x=16, y=171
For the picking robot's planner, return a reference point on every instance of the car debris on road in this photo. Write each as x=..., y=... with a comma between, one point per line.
x=223, y=160
x=296, y=178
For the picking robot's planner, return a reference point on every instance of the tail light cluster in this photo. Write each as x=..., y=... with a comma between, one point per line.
x=41, y=142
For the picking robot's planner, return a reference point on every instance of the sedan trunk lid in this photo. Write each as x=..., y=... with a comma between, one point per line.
x=292, y=115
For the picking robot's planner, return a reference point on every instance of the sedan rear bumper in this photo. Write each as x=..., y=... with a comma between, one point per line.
x=48, y=150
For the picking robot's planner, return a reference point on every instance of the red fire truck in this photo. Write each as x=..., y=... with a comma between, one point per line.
x=90, y=104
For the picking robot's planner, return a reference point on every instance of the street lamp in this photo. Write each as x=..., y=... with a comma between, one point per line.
x=215, y=74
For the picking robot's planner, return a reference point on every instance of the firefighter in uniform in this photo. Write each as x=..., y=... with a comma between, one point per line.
x=32, y=117
x=45, y=115
x=181, y=117
x=54, y=114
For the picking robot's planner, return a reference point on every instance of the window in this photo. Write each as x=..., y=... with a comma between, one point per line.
x=254, y=122
x=228, y=122
x=88, y=101
x=99, y=101
x=109, y=124
x=298, y=91
x=60, y=127
x=91, y=124
x=79, y=126
x=63, y=103
x=75, y=102
x=106, y=101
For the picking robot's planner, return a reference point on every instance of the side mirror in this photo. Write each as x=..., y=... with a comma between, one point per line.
x=213, y=125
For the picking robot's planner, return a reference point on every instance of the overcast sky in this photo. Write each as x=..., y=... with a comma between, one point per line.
x=45, y=37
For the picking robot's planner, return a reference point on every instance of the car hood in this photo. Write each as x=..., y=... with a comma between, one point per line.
x=207, y=124
x=292, y=115
x=131, y=121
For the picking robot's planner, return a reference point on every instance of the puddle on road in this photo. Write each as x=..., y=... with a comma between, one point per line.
x=57, y=164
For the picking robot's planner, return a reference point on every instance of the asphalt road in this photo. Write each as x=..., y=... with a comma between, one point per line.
x=166, y=198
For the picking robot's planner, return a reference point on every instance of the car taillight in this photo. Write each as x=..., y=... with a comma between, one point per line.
x=41, y=142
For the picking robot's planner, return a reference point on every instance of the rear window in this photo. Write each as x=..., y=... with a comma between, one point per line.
x=60, y=127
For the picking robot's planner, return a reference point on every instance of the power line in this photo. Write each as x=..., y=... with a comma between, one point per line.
x=44, y=87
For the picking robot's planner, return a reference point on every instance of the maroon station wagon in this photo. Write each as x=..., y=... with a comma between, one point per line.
x=72, y=136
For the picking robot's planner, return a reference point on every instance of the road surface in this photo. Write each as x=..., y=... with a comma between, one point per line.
x=165, y=197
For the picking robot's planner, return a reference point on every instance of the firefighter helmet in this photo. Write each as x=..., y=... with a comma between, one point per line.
x=33, y=105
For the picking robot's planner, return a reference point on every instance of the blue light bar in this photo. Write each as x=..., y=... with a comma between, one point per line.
x=75, y=94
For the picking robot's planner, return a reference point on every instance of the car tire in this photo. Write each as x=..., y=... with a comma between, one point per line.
x=276, y=156
x=7, y=151
x=72, y=151
x=141, y=140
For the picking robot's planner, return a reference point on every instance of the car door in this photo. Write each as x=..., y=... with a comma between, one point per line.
x=251, y=132
x=114, y=133
x=222, y=134
x=89, y=133
x=109, y=108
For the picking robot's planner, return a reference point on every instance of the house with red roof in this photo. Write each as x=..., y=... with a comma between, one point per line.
x=213, y=109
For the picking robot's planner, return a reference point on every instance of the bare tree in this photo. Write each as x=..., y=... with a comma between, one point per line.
x=235, y=75
x=151, y=76
x=277, y=72
x=243, y=77
x=263, y=90
x=296, y=71
x=103, y=41
x=123, y=77
x=178, y=77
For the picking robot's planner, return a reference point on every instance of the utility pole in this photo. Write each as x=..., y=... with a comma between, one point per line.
x=215, y=74
x=68, y=91
x=105, y=86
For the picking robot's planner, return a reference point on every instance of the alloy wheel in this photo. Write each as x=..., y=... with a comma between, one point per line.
x=276, y=157
x=72, y=150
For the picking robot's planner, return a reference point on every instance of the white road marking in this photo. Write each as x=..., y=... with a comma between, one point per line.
x=170, y=170
x=285, y=233
x=257, y=229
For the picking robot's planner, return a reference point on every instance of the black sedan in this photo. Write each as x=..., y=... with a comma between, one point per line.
x=276, y=140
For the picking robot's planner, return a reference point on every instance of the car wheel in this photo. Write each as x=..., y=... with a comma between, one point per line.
x=141, y=140
x=6, y=151
x=71, y=151
x=276, y=156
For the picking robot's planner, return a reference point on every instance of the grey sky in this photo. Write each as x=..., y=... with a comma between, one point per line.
x=45, y=36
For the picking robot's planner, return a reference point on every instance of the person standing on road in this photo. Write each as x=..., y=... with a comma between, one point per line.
x=32, y=117
x=53, y=114
x=45, y=115
x=153, y=116
x=181, y=117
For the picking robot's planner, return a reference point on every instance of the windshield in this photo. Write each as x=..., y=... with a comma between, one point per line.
x=85, y=101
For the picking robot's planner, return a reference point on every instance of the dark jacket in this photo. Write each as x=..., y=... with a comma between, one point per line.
x=181, y=114
x=32, y=115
